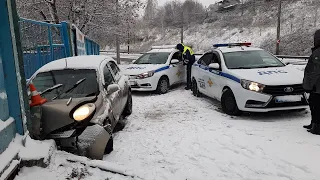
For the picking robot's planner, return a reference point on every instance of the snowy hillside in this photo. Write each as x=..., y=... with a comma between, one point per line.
x=254, y=22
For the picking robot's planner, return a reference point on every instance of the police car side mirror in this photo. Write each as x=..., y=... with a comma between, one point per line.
x=214, y=66
x=174, y=61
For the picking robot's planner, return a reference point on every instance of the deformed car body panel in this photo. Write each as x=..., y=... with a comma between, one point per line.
x=93, y=141
x=55, y=114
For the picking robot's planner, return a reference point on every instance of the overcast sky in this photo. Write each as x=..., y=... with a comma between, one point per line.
x=204, y=2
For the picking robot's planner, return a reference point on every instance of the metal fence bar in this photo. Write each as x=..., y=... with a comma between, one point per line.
x=50, y=42
x=40, y=22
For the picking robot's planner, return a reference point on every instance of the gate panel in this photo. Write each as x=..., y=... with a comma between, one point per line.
x=41, y=43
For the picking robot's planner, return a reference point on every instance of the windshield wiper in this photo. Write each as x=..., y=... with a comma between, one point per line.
x=243, y=68
x=72, y=88
x=51, y=88
x=269, y=66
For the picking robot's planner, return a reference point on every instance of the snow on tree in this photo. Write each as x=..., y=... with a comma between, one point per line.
x=100, y=19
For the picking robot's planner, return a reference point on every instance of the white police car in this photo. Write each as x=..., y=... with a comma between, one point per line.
x=156, y=70
x=249, y=79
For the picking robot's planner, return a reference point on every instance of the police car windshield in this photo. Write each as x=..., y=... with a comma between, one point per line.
x=251, y=60
x=153, y=58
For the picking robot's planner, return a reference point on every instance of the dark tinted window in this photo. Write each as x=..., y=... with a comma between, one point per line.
x=177, y=55
x=114, y=68
x=68, y=78
x=206, y=59
x=108, y=78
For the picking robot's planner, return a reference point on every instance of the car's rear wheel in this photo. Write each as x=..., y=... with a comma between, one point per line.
x=109, y=146
x=195, y=90
x=163, y=85
x=229, y=103
x=128, y=109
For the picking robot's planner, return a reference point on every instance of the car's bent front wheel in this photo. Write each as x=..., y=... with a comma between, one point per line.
x=229, y=103
x=163, y=85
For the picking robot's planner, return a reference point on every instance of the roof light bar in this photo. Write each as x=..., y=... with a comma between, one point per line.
x=232, y=44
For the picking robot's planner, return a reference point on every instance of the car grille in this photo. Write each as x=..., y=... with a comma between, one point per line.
x=273, y=104
x=281, y=90
x=132, y=76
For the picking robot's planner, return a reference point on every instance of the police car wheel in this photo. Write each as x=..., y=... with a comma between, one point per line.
x=163, y=85
x=195, y=90
x=229, y=104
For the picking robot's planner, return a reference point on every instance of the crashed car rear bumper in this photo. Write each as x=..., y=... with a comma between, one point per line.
x=90, y=143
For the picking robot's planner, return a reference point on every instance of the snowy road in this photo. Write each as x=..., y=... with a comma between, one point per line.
x=177, y=136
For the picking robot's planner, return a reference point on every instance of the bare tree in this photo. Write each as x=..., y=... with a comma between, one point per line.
x=96, y=18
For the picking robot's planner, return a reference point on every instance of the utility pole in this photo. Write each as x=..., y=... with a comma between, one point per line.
x=278, y=29
x=182, y=22
x=128, y=37
x=316, y=17
x=117, y=35
x=242, y=8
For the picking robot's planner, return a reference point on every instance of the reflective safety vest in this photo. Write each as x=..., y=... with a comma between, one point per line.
x=187, y=48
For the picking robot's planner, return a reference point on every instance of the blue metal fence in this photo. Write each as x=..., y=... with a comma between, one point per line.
x=44, y=42
x=92, y=48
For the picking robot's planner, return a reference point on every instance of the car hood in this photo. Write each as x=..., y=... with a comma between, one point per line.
x=135, y=69
x=271, y=76
x=55, y=114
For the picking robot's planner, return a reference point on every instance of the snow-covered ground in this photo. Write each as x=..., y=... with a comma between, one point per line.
x=178, y=136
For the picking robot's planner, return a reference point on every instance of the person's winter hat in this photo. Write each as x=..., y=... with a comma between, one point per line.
x=317, y=39
x=180, y=47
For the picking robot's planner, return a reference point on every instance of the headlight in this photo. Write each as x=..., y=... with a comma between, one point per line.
x=83, y=112
x=252, y=86
x=146, y=75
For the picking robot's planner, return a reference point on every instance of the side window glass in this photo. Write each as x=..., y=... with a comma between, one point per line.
x=108, y=78
x=114, y=68
x=177, y=55
x=215, y=58
x=206, y=59
x=202, y=60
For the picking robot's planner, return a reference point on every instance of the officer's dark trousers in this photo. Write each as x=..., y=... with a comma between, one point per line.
x=314, y=103
x=189, y=67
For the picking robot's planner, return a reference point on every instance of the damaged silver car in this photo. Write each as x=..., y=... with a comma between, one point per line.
x=86, y=98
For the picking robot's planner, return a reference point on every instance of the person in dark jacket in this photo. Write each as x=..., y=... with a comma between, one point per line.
x=189, y=59
x=311, y=84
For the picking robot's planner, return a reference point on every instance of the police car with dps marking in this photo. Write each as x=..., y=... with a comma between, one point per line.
x=156, y=70
x=250, y=79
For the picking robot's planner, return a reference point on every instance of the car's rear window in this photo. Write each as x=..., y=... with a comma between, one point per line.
x=67, y=78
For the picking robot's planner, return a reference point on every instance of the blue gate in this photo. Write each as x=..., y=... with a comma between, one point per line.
x=42, y=43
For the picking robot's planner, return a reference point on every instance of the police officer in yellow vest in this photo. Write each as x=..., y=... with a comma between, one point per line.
x=189, y=59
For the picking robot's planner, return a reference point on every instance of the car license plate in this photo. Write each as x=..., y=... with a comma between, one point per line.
x=284, y=99
x=132, y=83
